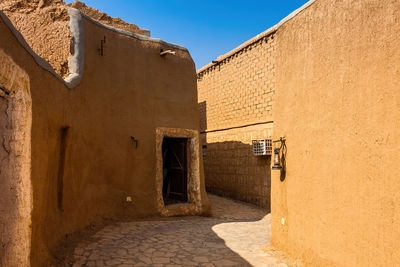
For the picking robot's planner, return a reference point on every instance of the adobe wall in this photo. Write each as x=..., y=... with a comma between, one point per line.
x=338, y=104
x=45, y=26
x=15, y=183
x=105, y=19
x=84, y=162
x=235, y=99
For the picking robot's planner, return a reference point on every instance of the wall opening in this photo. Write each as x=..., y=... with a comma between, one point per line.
x=178, y=171
x=175, y=170
x=61, y=166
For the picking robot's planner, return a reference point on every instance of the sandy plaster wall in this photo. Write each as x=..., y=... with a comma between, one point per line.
x=129, y=91
x=105, y=19
x=338, y=104
x=15, y=165
x=45, y=26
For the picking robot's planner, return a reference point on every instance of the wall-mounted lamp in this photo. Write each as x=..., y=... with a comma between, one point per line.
x=280, y=157
x=277, y=159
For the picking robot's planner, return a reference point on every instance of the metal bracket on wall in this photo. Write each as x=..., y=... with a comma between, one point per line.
x=101, y=49
x=135, y=141
x=167, y=52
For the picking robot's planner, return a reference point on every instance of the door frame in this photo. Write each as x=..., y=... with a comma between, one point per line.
x=193, y=205
x=181, y=157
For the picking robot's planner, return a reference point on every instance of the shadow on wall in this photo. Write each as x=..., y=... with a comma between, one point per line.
x=202, y=107
x=230, y=167
x=232, y=170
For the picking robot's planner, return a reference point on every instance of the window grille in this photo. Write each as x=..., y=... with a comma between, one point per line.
x=262, y=147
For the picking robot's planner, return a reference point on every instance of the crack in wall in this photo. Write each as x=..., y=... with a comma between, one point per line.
x=5, y=137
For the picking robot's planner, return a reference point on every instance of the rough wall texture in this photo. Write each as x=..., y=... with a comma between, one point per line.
x=238, y=92
x=15, y=183
x=105, y=19
x=338, y=104
x=84, y=163
x=44, y=25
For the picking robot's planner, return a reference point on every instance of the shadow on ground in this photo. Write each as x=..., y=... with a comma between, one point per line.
x=235, y=235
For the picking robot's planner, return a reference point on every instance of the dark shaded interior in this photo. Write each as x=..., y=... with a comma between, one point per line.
x=175, y=170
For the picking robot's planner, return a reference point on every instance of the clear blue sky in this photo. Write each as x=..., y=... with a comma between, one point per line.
x=208, y=28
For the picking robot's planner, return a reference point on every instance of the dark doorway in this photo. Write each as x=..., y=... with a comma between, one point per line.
x=174, y=151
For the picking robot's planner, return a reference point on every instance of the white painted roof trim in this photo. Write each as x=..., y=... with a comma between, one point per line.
x=257, y=37
x=76, y=61
x=294, y=13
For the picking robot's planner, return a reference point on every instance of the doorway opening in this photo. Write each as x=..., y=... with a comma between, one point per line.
x=175, y=170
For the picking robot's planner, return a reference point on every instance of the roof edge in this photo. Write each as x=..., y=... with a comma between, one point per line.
x=76, y=60
x=39, y=60
x=131, y=34
x=257, y=37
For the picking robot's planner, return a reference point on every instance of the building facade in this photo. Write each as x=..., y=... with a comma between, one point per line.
x=336, y=100
x=235, y=95
x=338, y=104
x=97, y=144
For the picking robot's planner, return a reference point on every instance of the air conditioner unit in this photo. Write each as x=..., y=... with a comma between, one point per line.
x=262, y=147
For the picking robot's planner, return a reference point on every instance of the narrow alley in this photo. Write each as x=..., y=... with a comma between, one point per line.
x=220, y=240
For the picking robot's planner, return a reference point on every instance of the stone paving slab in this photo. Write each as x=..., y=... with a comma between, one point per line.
x=234, y=236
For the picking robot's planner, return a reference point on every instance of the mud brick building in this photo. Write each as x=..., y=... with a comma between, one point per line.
x=336, y=100
x=99, y=137
x=338, y=104
x=102, y=124
x=236, y=95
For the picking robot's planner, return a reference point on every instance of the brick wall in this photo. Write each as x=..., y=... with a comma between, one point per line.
x=235, y=99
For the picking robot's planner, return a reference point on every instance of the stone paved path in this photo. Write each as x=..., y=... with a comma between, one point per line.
x=234, y=236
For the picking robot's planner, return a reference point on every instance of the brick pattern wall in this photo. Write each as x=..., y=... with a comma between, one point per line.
x=240, y=89
x=231, y=168
x=235, y=104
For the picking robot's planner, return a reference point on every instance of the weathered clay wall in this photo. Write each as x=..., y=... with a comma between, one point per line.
x=84, y=163
x=235, y=105
x=338, y=104
x=15, y=183
x=44, y=25
x=105, y=19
